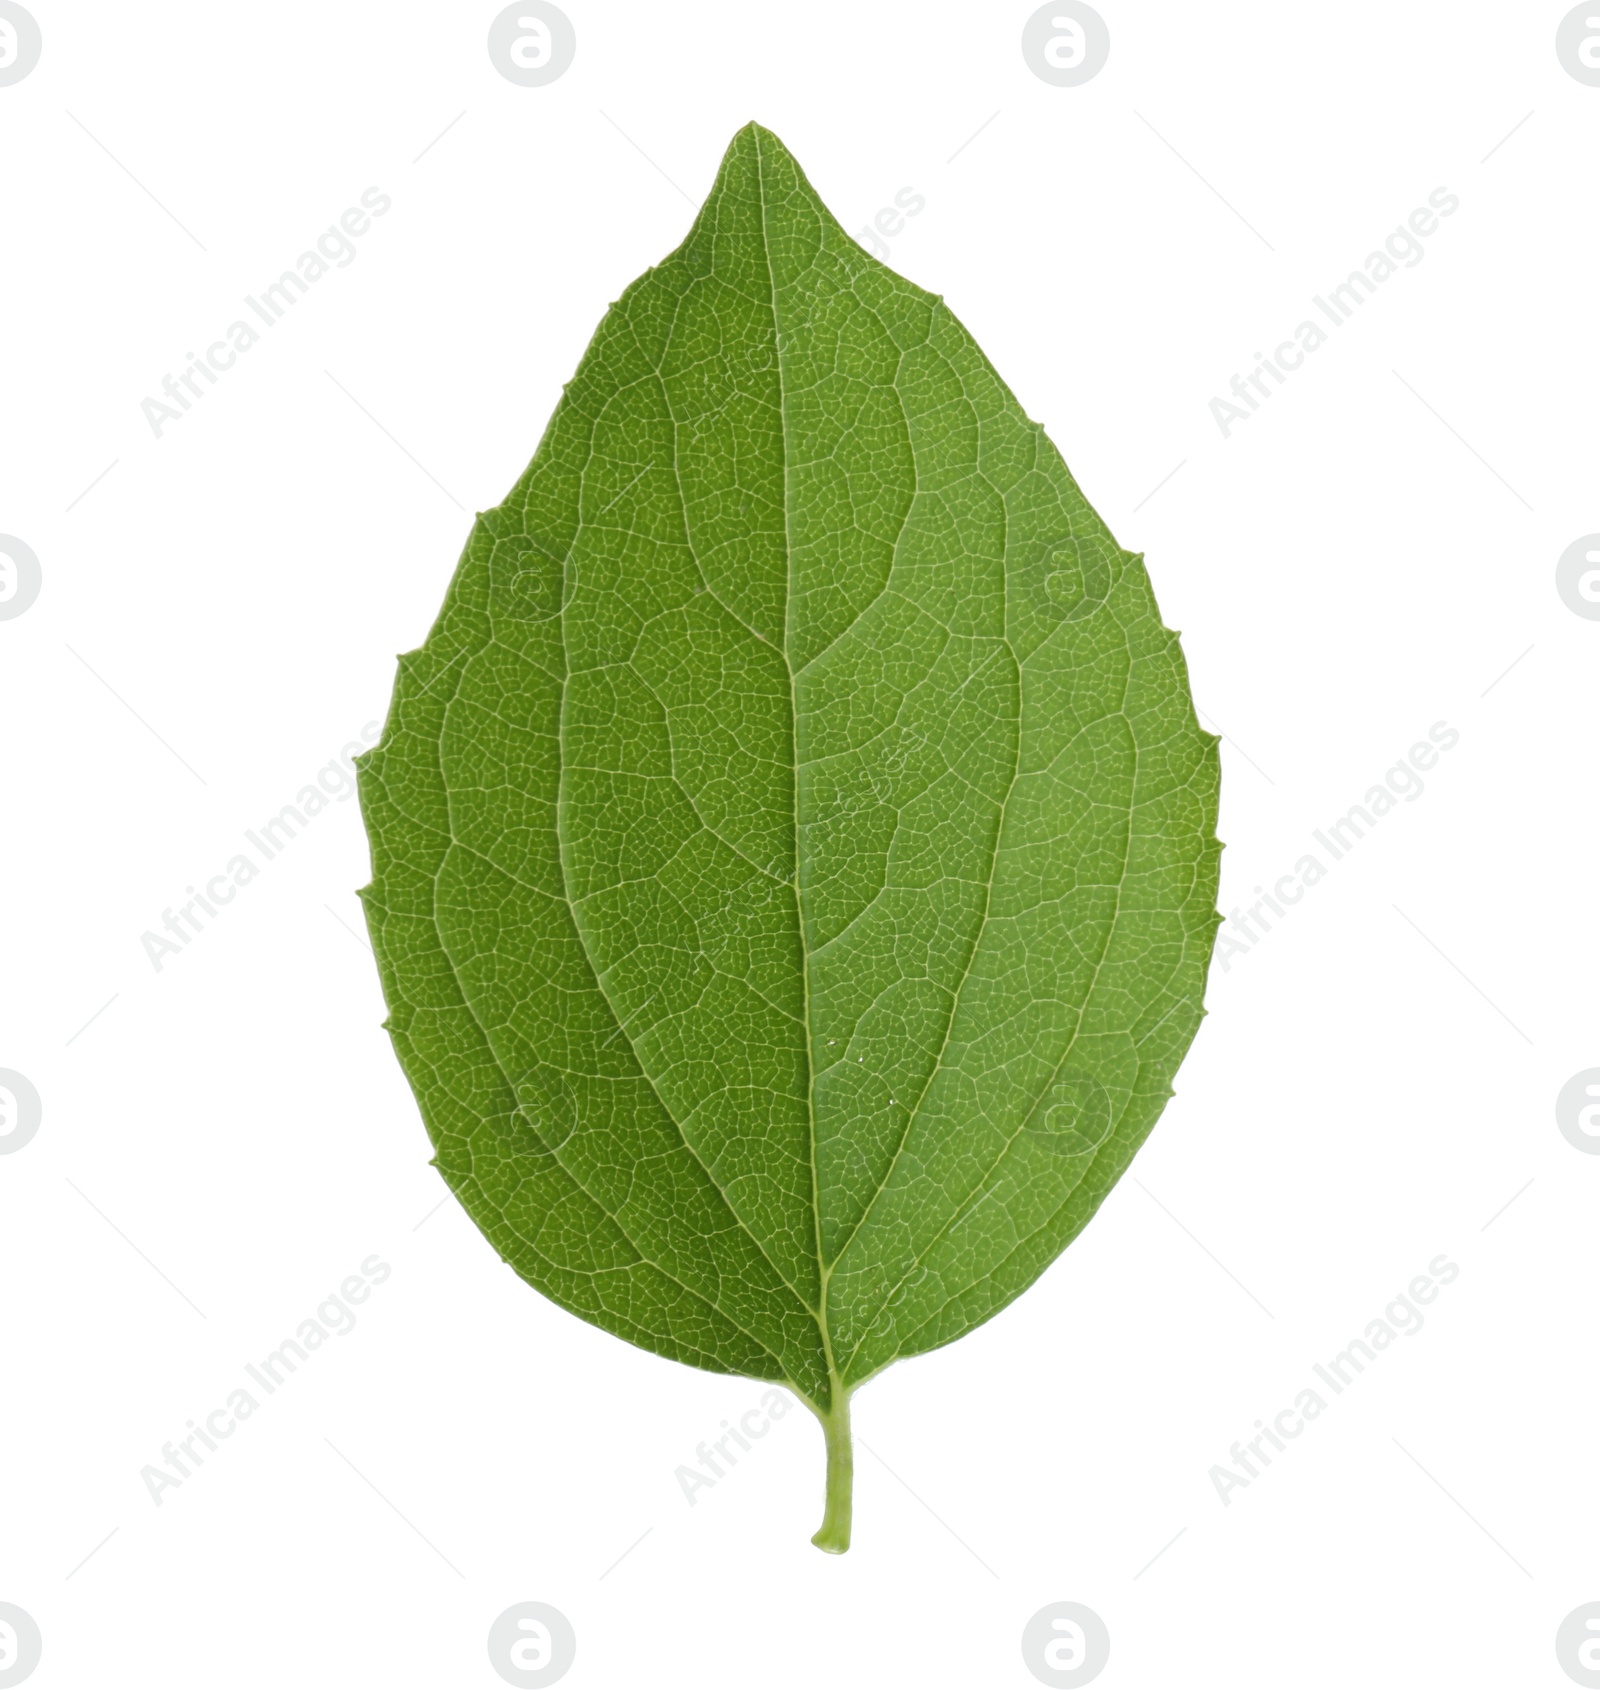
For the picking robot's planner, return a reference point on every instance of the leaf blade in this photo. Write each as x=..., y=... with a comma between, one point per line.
x=794, y=857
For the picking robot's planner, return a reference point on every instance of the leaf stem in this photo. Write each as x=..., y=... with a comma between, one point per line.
x=833, y=1535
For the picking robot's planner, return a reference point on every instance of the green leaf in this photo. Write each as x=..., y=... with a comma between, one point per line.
x=793, y=845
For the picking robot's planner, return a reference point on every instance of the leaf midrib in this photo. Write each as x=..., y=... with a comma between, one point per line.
x=824, y=1272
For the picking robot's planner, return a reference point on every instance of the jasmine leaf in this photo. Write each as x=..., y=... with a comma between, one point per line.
x=793, y=845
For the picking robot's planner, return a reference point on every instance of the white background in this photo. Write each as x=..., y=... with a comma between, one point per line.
x=220, y=613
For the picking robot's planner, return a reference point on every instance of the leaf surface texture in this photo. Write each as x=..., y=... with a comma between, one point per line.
x=794, y=857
